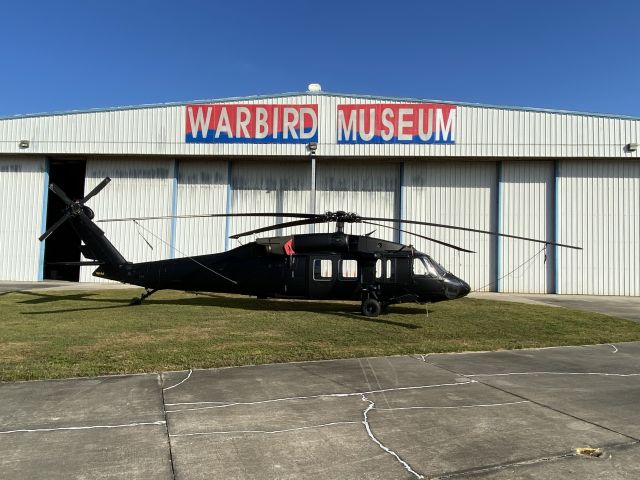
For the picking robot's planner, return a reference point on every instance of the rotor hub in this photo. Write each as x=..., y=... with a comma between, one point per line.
x=342, y=216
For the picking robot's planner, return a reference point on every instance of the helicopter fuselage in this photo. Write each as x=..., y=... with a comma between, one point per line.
x=315, y=266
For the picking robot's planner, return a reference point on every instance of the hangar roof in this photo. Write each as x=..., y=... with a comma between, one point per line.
x=339, y=123
x=377, y=98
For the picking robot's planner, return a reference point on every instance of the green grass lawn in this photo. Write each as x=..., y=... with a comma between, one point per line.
x=54, y=334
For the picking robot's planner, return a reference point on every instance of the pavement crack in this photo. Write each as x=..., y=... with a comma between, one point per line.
x=543, y=405
x=422, y=357
x=494, y=468
x=477, y=405
x=367, y=426
x=210, y=405
x=266, y=432
x=603, y=374
x=88, y=427
x=180, y=382
x=166, y=427
x=522, y=463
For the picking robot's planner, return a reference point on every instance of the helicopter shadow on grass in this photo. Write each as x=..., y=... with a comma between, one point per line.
x=212, y=300
x=41, y=298
x=38, y=298
x=285, y=305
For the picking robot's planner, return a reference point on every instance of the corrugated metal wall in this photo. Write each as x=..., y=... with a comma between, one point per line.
x=599, y=209
x=526, y=209
x=480, y=132
x=454, y=193
x=597, y=197
x=364, y=187
x=22, y=184
x=140, y=187
x=268, y=186
x=202, y=189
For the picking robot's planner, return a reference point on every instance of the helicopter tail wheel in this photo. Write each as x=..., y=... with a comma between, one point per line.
x=371, y=307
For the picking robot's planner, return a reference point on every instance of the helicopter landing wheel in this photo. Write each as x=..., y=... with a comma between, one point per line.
x=370, y=307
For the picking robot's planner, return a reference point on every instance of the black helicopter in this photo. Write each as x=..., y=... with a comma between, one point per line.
x=335, y=266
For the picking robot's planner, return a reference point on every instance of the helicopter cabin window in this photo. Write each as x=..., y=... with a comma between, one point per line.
x=422, y=267
x=349, y=269
x=388, y=269
x=322, y=269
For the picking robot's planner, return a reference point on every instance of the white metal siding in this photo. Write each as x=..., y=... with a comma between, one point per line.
x=369, y=189
x=599, y=209
x=21, y=218
x=202, y=189
x=268, y=186
x=526, y=210
x=480, y=132
x=598, y=187
x=454, y=193
x=139, y=187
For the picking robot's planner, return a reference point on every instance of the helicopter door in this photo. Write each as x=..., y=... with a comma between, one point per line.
x=296, y=276
x=322, y=275
x=395, y=274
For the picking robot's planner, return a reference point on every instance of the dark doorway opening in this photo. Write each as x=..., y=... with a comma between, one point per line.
x=64, y=244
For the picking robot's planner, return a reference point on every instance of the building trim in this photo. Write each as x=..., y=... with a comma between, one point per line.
x=43, y=219
x=227, y=222
x=556, y=217
x=174, y=209
x=498, y=244
x=401, y=203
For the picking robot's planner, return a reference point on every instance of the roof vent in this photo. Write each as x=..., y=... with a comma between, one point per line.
x=314, y=87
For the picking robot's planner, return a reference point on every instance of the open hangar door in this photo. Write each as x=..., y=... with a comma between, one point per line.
x=139, y=187
x=22, y=191
x=64, y=244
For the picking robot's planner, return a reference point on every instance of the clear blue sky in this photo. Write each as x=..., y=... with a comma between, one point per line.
x=576, y=55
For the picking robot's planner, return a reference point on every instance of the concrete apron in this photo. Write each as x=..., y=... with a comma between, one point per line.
x=622, y=307
x=508, y=414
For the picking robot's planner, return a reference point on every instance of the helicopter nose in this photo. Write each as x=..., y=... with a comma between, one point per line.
x=456, y=287
x=464, y=290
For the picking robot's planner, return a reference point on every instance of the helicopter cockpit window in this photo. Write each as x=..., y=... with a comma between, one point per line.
x=439, y=268
x=322, y=269
x=423, y=267
x=378, y=268
x=349, y=269
x=389, y=269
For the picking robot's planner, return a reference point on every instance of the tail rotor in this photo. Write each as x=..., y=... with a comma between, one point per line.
x=73, y=208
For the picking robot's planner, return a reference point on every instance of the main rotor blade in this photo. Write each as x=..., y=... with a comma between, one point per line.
x=51, y=229
x=216, y=215
x=276, y=226
x=474, y=230
x=96, y=190
x=58, y=191
x=450, y=245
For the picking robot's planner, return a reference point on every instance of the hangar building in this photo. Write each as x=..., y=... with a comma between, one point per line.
x=559, y=176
